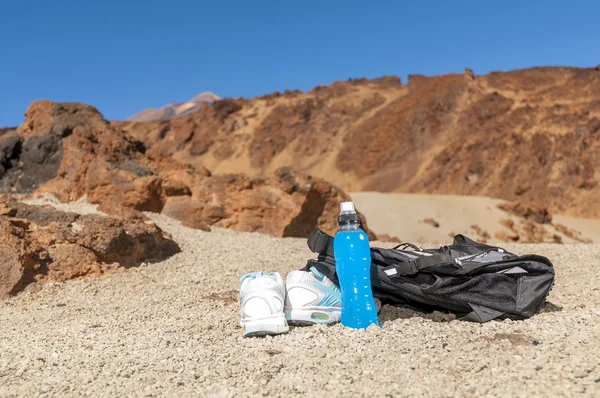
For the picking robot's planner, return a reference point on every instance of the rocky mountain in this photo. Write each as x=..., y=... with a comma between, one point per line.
x=171, y=111
x=530, y=135
x=5, y=130
x=71, y=151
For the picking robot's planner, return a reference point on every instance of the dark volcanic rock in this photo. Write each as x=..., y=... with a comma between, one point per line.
x=40, y=158
x=10, y=152
x=27, y=163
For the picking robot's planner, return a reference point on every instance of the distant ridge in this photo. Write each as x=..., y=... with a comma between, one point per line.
x=173, y=110
x=530, y=135
x=4, y=130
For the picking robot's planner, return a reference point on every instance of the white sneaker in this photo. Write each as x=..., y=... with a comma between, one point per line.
x=262, y=298
x=311, y=298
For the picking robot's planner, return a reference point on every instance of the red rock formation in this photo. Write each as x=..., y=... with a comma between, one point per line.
x=529, y=135
x=40, y=243
x=70, y=150
x=535, y=212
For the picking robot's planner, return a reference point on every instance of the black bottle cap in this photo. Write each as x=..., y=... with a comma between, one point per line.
x=345, y=218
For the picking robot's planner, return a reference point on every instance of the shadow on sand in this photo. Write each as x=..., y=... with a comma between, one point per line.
x=391, y=313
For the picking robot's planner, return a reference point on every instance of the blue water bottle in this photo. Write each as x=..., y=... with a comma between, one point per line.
x=353, y=264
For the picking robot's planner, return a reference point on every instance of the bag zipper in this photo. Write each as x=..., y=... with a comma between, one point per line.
x=470, y=257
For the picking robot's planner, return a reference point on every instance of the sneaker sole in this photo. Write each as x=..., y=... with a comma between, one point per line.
x=266, y=327
x=313, y=316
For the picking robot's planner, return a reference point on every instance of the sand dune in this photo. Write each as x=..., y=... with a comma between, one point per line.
x=171, y=328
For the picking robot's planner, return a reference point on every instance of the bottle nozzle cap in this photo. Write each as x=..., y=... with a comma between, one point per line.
x=347, y=208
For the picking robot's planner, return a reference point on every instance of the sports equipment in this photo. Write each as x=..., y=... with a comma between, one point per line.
x=311, y=298
x=353, y=261
x=262, y=298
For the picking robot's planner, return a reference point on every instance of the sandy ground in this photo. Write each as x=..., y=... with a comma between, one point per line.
x=402, y=215
x=171, y=329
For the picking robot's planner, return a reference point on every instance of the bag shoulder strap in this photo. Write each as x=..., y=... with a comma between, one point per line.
x=321, y=243
x=415, y=265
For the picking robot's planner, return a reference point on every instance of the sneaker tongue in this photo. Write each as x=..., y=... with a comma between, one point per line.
x=271, y=275
x=316, y=273
x=258, y=274
x=252, y=275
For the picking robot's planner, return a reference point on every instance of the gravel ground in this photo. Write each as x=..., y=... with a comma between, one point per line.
x=172, y=328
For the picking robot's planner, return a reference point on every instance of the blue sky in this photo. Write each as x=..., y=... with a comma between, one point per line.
x=124, y=56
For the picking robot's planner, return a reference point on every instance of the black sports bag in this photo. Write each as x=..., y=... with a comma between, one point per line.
x=476, y=281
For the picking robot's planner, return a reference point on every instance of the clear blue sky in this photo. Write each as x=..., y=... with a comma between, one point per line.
x=123, y=56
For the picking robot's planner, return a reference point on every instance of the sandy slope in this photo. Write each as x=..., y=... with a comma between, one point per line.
x=402, y=215
x=171, y=329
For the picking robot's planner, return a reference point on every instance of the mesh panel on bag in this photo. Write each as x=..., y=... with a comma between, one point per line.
x=495, y=291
